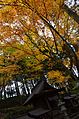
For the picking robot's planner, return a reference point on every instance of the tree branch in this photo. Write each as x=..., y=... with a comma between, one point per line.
x=71, y=13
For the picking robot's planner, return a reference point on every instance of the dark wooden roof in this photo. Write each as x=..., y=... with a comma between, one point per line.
x=38, y=112
x=41, y=88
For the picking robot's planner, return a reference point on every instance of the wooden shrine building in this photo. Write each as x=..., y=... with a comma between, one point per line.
x=44, y=98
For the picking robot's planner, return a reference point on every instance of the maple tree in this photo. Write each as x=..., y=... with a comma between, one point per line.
x=37, y=36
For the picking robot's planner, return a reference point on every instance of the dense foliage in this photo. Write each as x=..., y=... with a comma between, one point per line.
x=37, y=37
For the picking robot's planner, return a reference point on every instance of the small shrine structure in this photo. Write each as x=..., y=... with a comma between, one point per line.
x=44, y=98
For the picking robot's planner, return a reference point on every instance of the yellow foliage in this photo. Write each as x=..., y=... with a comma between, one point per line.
x=17, y=21
x=7, y=1
x=8, y=13
x=60, y=2
x=56, y=75
x=11, y=69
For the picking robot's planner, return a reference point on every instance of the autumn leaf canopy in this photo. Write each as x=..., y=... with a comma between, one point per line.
x=36, y=37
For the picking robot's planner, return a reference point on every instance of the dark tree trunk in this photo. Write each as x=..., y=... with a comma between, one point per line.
x=0, y=93
x=4, y=90
x=11, y=92
x=17, y=88
x=71, y=13
x=23, y=87
x=28, y=90
x=32, y=83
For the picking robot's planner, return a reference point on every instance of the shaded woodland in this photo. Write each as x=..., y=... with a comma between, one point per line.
x=39, y=40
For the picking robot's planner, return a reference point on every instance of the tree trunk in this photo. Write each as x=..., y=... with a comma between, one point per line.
x=23, y=87
x=17, y=88
x=26, y=83
x=71, y=13
x=0, y=93
x=4, y=89
x=32, y=83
